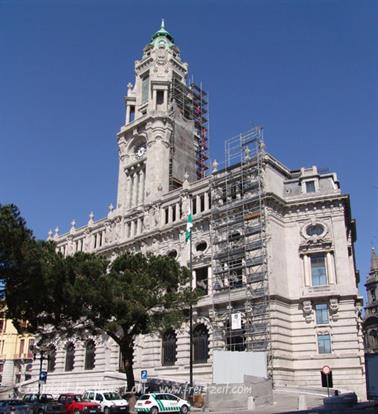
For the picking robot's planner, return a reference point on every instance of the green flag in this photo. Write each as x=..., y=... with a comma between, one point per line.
x=189, y=225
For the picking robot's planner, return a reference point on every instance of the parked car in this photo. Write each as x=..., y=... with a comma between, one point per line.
x=75, y=404
x=111, y=402
x=44, y=404
x=14, y=407
x=161, y=403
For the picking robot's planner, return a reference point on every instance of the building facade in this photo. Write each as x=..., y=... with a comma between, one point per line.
x=272, y=247
x=16, y=357
x=370, y=327
x=371, y=308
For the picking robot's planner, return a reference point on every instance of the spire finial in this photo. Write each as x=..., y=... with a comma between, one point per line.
x=162, y=24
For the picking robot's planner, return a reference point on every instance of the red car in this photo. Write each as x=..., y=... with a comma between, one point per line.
x=74, y=404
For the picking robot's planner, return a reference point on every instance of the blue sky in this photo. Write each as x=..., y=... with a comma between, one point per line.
x=305, y=69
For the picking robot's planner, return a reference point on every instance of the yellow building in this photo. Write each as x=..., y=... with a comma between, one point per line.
x=15, y=355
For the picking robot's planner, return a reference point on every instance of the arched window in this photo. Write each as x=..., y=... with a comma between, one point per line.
x=90, y=355
x=51, y=353
x=169, y=348
x=70, y=357
x=200, y=344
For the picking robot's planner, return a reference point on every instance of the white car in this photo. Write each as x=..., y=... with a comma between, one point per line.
x=155, y=403
x=111, y=402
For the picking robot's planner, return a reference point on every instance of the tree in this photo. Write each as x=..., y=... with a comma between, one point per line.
x=85, y=293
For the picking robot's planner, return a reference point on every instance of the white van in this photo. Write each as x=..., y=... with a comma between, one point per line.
x=111, y=402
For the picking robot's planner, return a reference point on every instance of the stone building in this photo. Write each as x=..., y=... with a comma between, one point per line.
x=272, y=247
x=371, y=309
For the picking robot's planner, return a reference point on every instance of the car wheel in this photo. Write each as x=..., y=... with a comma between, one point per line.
x=40, y=411
x=76, y=411
x=106, y=410
x=184, y=409
x=154, y=410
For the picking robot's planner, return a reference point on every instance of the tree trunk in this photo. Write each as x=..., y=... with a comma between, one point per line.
x=127, y=351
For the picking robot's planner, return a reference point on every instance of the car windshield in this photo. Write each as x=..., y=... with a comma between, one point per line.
x=112, y=396
x=78, y=398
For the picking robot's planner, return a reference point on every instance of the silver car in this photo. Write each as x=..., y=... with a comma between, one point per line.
x=14, y=407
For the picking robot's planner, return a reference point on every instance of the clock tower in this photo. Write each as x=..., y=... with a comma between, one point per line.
x=160, y=142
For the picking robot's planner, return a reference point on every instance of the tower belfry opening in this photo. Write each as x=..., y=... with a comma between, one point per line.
x=239, y=255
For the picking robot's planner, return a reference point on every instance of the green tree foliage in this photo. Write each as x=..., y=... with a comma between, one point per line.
x=86, y=293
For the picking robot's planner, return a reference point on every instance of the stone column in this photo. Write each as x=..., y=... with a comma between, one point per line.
x=307, y=269
x=139, y=225
x=128, y=192
x=198, y=203
x=154, y=99
x=330, y=269
x=135, y=189
x=209, y=280
x=127, y=114
x=194, y=279
x=162, y=216
x=206, y=195
x=140, y=186
x=131, y=178
x=170, y=214
x=177, y=211
x=132, y=229
x=165, y=100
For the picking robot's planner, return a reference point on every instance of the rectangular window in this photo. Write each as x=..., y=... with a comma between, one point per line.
x=202, y=199
x=22, y=344
x=194, y=206
x=310, y=186
x=132, y=113
x=145, y=87
x=159, y=98
x=321, y=313
x=201, y=280
x=318, y=270
x=324, y=344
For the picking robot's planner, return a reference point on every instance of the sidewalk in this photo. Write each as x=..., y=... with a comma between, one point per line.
x=288, y=404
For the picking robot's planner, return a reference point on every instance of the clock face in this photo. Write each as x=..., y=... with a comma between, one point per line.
x=140, y=150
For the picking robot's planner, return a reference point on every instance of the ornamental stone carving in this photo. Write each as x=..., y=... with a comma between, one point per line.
x=334, y=309
x=108, y=232
x=307, y=310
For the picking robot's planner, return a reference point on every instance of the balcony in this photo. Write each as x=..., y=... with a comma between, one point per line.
x=23, y=355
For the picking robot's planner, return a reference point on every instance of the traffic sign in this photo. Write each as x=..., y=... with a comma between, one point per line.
x=43, y=376
x=144, y=375
x=326, y=370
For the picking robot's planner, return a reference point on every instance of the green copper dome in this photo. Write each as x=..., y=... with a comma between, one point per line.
x=162, y=34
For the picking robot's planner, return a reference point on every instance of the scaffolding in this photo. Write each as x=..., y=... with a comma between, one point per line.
x=192, y=104
x=239, y=254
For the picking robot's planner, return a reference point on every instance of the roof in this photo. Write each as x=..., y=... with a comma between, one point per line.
x=162, y=33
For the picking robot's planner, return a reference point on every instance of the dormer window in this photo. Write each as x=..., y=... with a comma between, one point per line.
x=310, y=186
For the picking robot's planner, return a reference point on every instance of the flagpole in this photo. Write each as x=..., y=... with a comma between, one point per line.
x=191, y=315
x=188, y=238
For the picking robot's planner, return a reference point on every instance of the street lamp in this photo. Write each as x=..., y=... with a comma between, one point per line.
x=43, y=356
